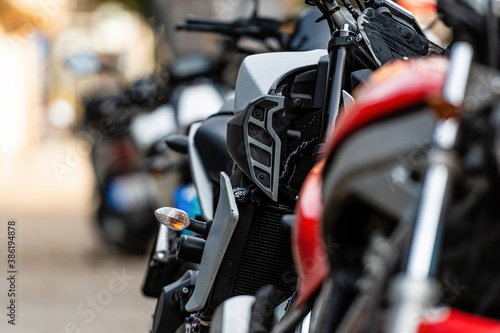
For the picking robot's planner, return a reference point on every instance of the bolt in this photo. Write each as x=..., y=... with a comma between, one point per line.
x=185, y=290
x=261, y=176
x=257, y=113
x=349, y=39
x=160, y=255
x=297, y=102
x=359, y=38
x=238, y=193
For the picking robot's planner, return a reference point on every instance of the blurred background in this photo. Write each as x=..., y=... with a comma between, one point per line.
x=54, y=56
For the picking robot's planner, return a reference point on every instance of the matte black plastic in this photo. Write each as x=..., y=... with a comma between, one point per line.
x=190, y=248
x=359, y=76
x=236, y=142
x=211, y=142
x=202, y=228
x=168, y=316
x=178, y=143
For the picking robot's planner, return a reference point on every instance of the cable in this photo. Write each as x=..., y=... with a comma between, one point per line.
x=327, y=14
x=360, y=6
x=351, y=9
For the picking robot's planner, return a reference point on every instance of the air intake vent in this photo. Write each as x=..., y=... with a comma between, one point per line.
x=267, y=257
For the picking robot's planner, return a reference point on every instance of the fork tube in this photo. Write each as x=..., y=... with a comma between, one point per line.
x=336, y=69
x=424, y=250
x=412, y=291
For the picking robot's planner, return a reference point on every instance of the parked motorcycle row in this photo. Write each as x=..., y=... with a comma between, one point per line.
x=346, y=182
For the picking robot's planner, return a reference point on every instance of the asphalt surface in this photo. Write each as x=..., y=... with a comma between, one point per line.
x=66, y=278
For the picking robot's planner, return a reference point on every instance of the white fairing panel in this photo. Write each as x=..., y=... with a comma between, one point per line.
x=198, y=102
x=149, y=128
x=258, y=73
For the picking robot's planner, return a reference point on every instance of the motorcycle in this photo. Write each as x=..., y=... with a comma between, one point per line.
x=125, y=188
x=283, y=103
x=363, y=191
x=127, y=131
x=247, y=36
x=206, y=143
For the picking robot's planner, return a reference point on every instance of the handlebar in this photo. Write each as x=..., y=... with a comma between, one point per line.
x=207, y=25
x=144, y=96
x=259, y=28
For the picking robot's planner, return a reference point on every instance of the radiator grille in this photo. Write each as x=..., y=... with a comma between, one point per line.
x=267, y=256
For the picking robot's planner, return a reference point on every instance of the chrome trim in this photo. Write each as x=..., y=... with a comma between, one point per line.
x=445, y=134
x=304, y=325
x=458, y=73
x=428, y=221
x=162, y=243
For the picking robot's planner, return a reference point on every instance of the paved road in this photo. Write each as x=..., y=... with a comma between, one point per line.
x=67, y=280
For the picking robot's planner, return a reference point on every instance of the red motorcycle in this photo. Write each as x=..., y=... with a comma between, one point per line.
x=395, y=228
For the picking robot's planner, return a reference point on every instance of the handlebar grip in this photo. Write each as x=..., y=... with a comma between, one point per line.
x=206, y=28
x=204, y=20
x=204, y=24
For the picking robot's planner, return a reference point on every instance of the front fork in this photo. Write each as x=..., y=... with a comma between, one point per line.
x=412, y=292
x=338, y=46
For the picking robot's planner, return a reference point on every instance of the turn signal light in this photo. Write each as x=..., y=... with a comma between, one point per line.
x=172, y=218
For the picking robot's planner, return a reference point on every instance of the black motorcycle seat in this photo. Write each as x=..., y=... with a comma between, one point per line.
x=211, y=143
